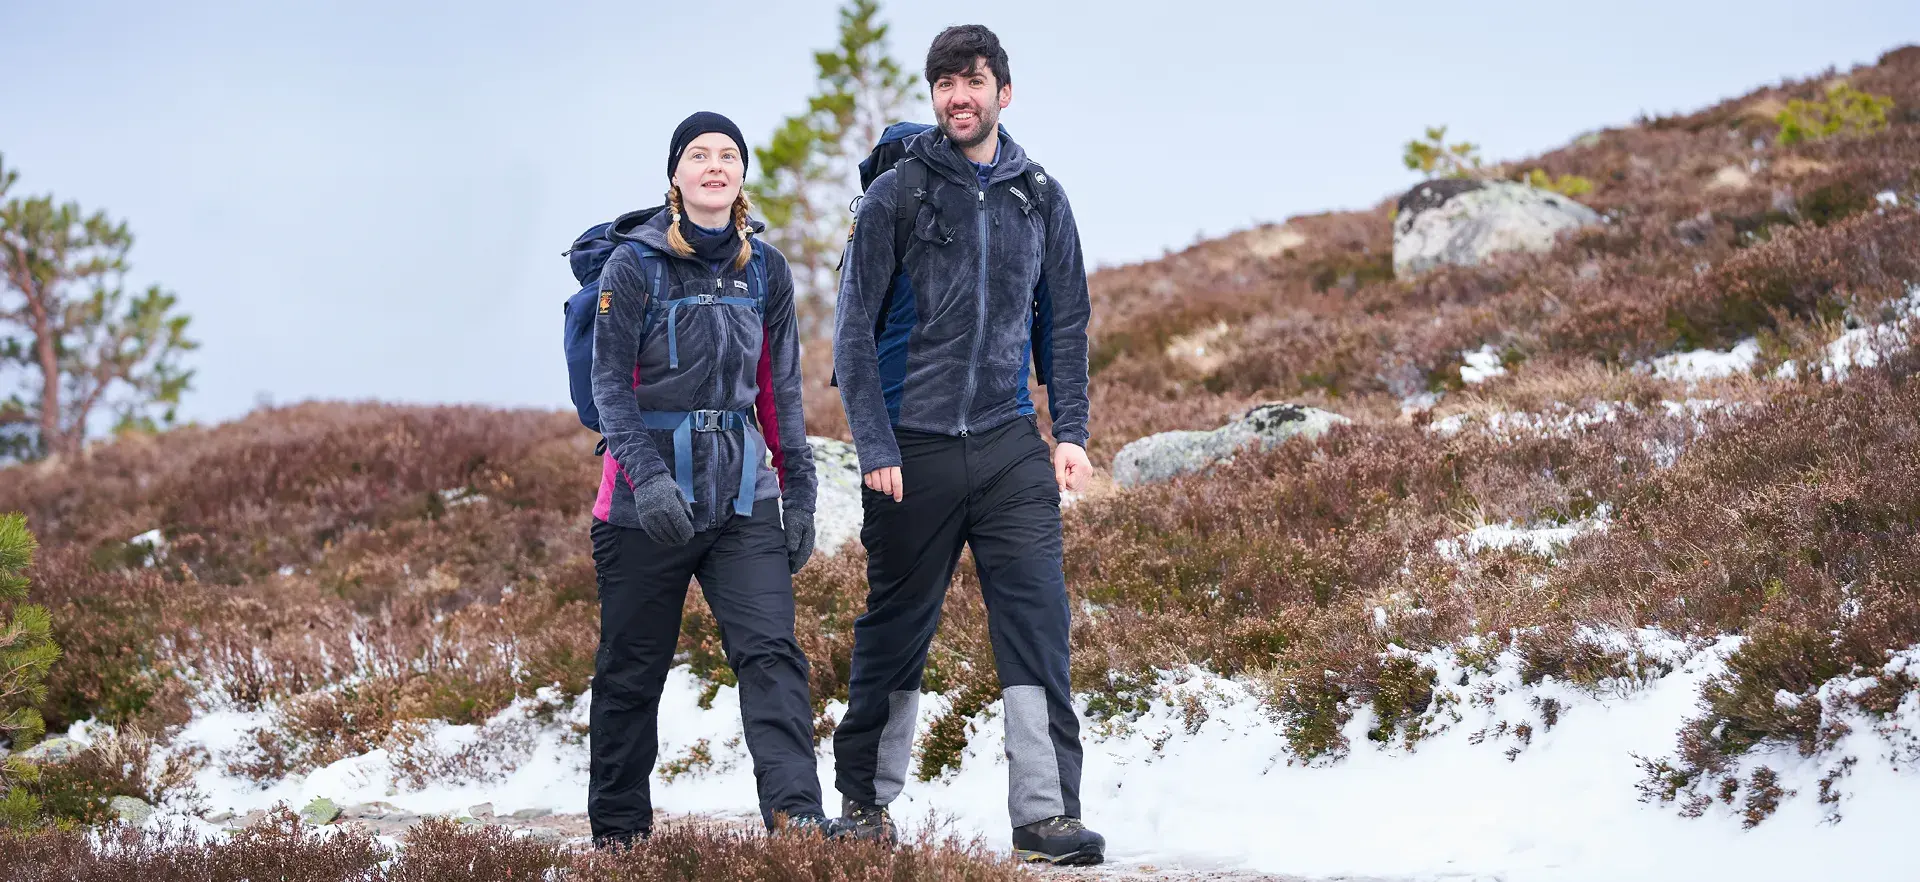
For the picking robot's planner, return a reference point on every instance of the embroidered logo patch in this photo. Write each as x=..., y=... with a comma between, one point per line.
x=606, y=302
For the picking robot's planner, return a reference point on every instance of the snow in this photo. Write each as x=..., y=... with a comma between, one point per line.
x=1863, y=347
x=1706, y=364
x=1415, y=403
x=1204, y=780
x=1481, y=365
x=455, y=497
x=1545, y=540
x=551, y=773
x=156, y=545
x=1887, y=198
x=1564, y=421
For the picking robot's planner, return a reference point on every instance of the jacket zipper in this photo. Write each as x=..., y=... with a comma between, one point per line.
x=980, y=320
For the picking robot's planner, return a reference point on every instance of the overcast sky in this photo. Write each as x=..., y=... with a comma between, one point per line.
x=369, y=199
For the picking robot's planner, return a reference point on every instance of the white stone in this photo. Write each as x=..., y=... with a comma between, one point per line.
x=1465, y=222
x=837, y=511
x=1162, y=456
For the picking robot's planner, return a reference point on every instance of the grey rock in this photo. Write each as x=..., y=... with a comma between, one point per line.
x=133, y=811
x=220, y=817
x=1462, y=222
x=837, y=510
x=371, y=811
x=1695, y=231
x=1163, y=456
x=320, y=811
x=483, y=810
x=253, y=817
x=57, y=749
x=528, y=814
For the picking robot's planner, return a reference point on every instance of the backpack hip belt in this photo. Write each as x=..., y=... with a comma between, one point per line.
x=685, y=423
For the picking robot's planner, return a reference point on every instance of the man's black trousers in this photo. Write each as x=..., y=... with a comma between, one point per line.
x=994, y=492
x=742, y=568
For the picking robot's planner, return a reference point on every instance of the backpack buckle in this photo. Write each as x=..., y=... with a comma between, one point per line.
x=706, y=299
x=708, y=420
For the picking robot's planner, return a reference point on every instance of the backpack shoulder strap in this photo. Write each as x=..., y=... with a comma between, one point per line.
x=909, y=191
x=757, y=277
x=1037, y=182
x=653, y=268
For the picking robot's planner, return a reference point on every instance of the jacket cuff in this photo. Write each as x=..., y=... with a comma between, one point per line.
x=877, y=459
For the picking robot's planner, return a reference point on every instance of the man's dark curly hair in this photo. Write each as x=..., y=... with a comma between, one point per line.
x=957, y=50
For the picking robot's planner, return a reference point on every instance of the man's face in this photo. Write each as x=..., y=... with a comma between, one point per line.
x=967, y=105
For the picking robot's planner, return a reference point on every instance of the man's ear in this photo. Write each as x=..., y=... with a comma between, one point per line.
x=1006, y=95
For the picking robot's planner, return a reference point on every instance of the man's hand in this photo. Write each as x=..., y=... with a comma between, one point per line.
x=888, y=481
x=1070, y=466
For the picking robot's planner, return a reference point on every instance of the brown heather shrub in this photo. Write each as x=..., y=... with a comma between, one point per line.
x=76, y=790
x=280, y=848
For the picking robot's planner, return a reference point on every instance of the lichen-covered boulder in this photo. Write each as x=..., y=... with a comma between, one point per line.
x=837, y=512
x=1462, y=222
x=1159, y=457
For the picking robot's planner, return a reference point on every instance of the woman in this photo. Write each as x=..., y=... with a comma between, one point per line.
x=696, y=374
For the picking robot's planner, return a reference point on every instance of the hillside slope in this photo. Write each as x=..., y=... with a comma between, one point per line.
x=1606, y=531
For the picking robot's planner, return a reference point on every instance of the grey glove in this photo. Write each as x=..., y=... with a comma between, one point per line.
x=799, y=538
x=663, y=514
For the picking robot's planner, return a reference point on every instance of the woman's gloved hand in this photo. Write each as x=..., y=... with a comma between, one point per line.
x=799, y=538
x=663, y=514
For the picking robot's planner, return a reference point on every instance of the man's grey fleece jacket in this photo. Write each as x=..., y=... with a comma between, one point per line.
x=991, y=288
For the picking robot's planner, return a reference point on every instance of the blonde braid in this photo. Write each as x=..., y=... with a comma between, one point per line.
x=676, y=241
x=741, y=206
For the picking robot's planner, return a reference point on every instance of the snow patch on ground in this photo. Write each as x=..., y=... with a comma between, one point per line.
x=1565, y=420
x=1706, y=364
x=1204, y=779
x=1864, y=347
x=1543, y=540
x=1481, y=365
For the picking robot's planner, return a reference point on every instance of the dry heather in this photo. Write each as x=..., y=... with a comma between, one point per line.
x=363, y=568
x=441, y=851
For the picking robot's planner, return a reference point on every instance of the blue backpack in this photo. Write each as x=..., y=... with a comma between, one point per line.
x=588, y=257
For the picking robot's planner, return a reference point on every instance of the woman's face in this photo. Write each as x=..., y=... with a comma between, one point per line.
x=709, y=173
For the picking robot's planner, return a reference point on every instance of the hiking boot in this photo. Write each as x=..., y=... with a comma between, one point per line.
x=1059, y=840
x=810, y=824
x=869, y=822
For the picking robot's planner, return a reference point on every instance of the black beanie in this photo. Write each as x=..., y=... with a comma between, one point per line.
x=699, y=124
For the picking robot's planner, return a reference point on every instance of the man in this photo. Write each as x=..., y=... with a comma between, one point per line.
x=933, y=350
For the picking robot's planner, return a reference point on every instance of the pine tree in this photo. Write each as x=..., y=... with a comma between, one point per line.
x=809, y=171
x=67, y=320
x=27, y=653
